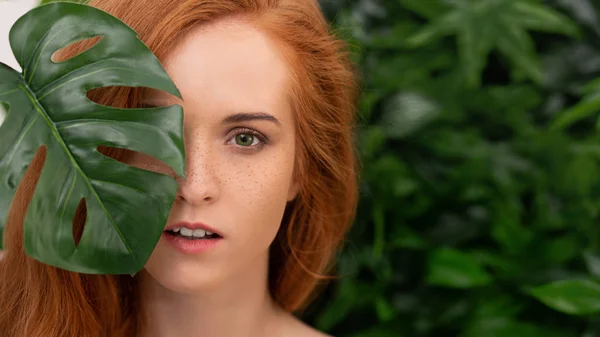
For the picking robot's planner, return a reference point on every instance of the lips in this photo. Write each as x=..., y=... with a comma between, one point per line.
x=193, y=225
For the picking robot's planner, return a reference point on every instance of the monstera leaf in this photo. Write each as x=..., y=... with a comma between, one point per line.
x=127, y=207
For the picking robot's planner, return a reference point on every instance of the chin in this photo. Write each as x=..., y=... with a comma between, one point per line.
x=188, y=286
x=185, y=277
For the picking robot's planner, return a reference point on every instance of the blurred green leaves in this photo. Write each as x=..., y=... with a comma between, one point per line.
x=406, y=113
x=589, y=105
x=479, y=211
x=508, y=327
x=452, y=268
x=576, y=297
x=482, y=26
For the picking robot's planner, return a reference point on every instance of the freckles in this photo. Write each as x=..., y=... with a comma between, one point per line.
x=259, y=181
x=277, y=178
x=252, y=186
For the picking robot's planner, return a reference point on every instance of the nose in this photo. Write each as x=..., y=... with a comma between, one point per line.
x=201, y=184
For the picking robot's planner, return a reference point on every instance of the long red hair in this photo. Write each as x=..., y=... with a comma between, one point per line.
x=37, y=300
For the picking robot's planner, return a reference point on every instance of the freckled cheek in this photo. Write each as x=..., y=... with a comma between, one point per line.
x=258, y=191
x=259, y=181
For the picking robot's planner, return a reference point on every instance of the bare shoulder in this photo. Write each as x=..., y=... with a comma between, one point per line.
x=296, y=328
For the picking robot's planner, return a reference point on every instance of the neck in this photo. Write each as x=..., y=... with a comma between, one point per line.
x=239, y=306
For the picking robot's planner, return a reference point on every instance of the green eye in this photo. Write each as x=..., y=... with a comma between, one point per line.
x=244, y=139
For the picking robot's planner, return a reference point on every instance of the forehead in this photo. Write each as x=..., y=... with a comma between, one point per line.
x=228, y=64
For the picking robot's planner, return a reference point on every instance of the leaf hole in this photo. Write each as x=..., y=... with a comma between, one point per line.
x=113, y=96
x=138, y=160
x=118, y=154
x=23, y=196
x=124, y=97
x=33, y=172
x=4, y=109
x=79, y=221
x=75, y=49
x=126, y=156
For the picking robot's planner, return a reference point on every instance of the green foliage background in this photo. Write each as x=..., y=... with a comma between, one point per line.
x=480, y=192
x=480, y=198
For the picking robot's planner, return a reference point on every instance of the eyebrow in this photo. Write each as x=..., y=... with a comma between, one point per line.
x=231, y=119
x=250, y=116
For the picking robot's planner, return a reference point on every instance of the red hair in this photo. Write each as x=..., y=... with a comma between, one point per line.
x=38, y=300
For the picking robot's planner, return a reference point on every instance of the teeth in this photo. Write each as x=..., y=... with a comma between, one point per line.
x=199, y=233
x=186, y=232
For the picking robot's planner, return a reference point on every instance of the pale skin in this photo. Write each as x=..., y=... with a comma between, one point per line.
x=234, y=183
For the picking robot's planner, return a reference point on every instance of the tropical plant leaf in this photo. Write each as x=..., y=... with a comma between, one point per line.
x=502, y=25
x=455, y=269
x=592, y=262
x=575, y=297
x=587, y=106
x=48, y=107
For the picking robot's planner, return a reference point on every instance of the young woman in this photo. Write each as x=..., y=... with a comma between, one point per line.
x=270, y=190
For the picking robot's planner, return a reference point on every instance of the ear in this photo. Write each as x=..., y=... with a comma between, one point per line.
x=293, y=191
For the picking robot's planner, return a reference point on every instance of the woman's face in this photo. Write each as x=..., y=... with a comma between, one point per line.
x=239, y=134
